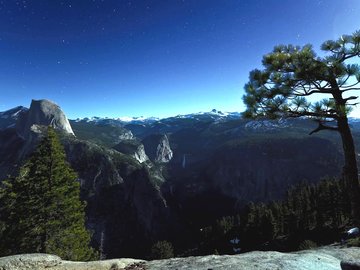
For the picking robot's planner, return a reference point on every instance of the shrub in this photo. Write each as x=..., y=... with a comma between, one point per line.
x=162, y=250
x=355, y=242
x=307, y=244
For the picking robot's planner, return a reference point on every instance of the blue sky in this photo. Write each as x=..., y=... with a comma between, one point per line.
x=151, y=58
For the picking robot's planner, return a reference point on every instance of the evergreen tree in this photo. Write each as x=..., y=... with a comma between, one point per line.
x=41, y=208
x=162, y=250
x=291, y=74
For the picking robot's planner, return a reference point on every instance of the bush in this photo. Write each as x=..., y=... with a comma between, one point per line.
x=354, y=242
x=162, y=250
x=307, y=244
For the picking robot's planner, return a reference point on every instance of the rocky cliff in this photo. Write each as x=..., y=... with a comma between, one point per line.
x=158, y=148
x=132, y=148
x=42, y=113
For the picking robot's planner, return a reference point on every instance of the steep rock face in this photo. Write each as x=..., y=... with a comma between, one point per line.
x=44, y=113
x=157, y=147
x=132, y=148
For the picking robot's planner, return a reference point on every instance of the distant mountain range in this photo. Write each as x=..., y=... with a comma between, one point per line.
x=212, y=115
x=7, y=118
x=146, y=179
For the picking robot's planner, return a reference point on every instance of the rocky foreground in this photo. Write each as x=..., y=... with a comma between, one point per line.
x=326, y=258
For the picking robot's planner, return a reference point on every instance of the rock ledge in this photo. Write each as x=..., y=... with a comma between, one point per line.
x=326, y=258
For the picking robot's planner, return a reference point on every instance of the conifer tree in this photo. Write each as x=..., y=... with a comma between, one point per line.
x=41, y=207
x=292, y=74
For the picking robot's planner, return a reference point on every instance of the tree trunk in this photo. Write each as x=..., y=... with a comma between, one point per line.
x=350, y=170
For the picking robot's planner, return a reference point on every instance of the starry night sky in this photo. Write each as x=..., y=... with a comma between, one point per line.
x=151, y=58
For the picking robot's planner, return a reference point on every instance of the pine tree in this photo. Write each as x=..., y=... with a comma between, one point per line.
x=162, y=250
x=41, y=207
x=292, y=74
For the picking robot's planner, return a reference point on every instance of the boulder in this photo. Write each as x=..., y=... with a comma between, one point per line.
x=327, y=258
x=29, y=261
x=38, y=261
x=350, y=265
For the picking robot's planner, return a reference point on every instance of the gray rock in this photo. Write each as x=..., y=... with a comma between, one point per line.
x=29, y=261
x=132, y=148
x=319, y=259
x=253, y=260
x=157, y=147
x=127, y=135
x=114, y=264
x=163, y=151
x=350, y=265
x=40, y=261
x=43, y=112
x=327, y=258
x=140, y=154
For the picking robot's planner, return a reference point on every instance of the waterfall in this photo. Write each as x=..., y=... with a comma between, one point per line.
x=183, y=161
x=101, y=248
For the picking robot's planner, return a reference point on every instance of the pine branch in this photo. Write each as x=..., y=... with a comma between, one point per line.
x=350, y=98
x=321, y=126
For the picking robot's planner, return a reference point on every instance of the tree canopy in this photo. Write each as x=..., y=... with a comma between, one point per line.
x=293, y=74
x=40, y=209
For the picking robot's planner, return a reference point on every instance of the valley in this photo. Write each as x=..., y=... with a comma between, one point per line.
x=165, y=179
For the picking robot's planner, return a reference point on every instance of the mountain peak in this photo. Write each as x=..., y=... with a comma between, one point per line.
x=46, y=113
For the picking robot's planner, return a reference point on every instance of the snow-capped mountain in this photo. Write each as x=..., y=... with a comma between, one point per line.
x=354, y=120
x=268, y=124
x=212, y=115
x=125, y=119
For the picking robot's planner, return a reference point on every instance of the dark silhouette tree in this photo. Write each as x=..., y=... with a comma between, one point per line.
x=292, y=74
x=162, y=250
x=40, y=209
